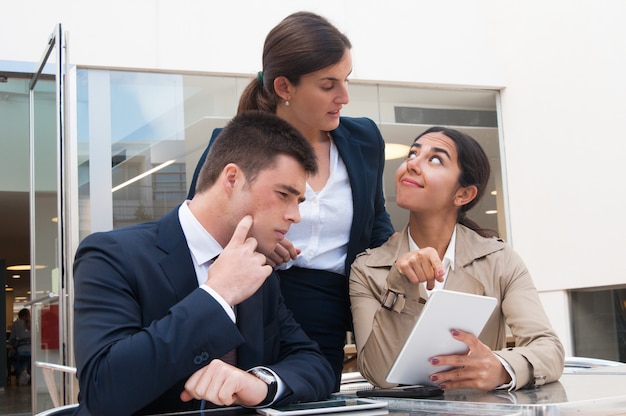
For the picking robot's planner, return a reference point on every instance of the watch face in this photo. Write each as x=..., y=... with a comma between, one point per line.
x=264, y=375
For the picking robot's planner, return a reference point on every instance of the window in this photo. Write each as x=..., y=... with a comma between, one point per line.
x=599, y=323
x=153, y=127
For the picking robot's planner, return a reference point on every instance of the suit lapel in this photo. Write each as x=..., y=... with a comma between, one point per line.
x=177, y=264
x=355, y=166
x=351, y=158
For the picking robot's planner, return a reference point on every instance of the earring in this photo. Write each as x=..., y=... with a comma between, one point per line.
x=286, y=103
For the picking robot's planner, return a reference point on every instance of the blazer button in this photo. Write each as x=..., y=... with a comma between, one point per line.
x=204, y=356
x=197, y=360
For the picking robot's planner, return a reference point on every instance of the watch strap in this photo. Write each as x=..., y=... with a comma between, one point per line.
x=272, y=385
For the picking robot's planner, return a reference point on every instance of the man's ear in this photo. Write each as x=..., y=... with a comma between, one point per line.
x=230, y=174
x=282, y=86
x=465, y=195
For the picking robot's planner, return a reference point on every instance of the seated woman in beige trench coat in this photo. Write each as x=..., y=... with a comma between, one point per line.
x=443, y=176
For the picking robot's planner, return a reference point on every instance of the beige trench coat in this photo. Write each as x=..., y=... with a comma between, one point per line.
x=483, y=266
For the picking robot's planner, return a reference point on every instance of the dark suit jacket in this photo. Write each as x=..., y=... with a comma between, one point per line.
x=362, y=149
x=142, y=325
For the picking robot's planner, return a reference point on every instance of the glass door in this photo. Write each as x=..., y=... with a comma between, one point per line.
x=52, y=380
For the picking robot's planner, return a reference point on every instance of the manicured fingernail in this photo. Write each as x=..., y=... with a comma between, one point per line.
x=434, y=378
x=442, y=386
x=434, y=361
x=455, y=333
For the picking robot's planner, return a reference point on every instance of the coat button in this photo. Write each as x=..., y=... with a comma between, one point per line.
x=197, y=360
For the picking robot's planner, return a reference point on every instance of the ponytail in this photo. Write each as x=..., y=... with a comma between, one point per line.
x=300, y=44
x=255, y=97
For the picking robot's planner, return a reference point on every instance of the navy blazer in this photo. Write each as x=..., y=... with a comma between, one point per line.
x=362, y=149
x=142, y=325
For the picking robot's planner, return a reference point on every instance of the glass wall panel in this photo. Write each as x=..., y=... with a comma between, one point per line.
x=153, y=128
x=14, y=192
x=403, y=112
x=45, y=286
x=14, y=213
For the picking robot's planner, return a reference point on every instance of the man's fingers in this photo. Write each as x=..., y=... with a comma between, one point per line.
x=185, y=396
x=271, y=262
x=242, y=230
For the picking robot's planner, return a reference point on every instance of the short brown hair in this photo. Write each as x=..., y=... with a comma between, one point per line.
x=252, y=140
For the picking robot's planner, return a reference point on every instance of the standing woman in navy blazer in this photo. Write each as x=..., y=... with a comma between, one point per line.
x=306, y=64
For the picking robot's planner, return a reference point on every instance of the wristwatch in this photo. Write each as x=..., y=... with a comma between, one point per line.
x=267, y=377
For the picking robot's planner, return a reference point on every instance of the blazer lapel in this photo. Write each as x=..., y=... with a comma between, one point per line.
x=177, y=264
x=355, y=166
x=469, y=247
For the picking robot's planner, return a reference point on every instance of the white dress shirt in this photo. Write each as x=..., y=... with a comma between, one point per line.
x=204, y=248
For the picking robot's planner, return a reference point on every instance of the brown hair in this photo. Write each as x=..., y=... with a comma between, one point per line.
x=25, y=315
x=301, y=43
x=252, y=140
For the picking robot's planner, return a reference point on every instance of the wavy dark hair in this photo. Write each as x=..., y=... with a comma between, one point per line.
x=475, y=170
x=301, y=43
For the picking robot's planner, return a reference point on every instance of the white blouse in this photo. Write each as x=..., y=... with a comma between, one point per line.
x=326, y=219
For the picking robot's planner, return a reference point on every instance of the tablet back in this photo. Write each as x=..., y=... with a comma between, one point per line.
x=445, y=310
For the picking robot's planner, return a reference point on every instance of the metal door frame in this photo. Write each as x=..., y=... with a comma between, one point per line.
x=67, y=234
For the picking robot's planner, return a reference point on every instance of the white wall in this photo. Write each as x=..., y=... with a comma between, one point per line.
x=560, y=65
x=563, y=107
x=391, y=39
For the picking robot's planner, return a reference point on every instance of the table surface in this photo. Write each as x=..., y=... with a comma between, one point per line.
x=597, y=392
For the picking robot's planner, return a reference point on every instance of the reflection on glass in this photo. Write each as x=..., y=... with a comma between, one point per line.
x=44, y=233
x=153, y=128
x=45, y=190
x=157, y=127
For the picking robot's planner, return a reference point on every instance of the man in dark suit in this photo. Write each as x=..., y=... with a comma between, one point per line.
x=156, y=314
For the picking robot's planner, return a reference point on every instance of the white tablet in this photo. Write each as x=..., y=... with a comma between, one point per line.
x=325, y=406
x=445, y=310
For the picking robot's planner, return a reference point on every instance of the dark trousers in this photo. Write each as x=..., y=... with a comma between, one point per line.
x=19, y=361
x=320, y=304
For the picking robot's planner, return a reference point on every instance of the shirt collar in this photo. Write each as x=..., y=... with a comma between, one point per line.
x=202, y=245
